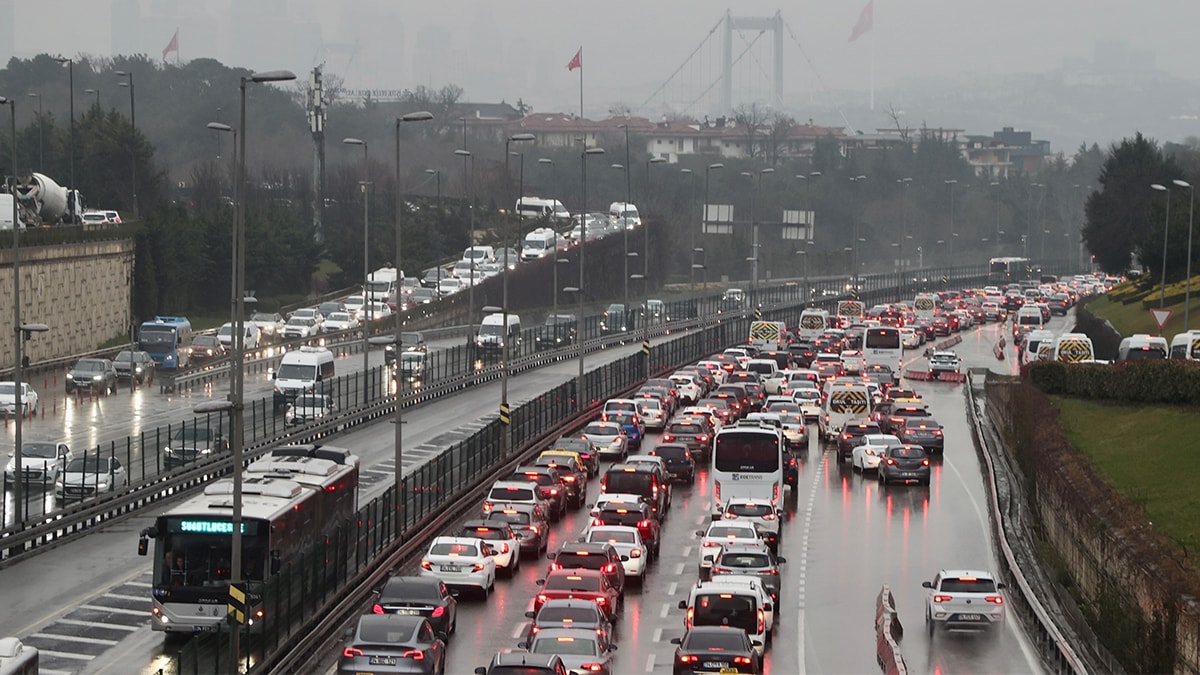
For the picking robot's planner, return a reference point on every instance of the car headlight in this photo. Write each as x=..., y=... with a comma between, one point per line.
x=58, y=482
x=97, y=378
x=102, y=486
x=70, y=376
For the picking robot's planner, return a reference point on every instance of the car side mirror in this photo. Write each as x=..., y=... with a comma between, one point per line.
x=708, y=559
x=523, y=644
x=676, y=641
x=683, y=604
x=481, y=670
x=781, y=560
x=926, y=584
x=756, y=643
x=699, y=533
x=540, y=582
x=767, y=607
x=612, y=647
x=530, y=614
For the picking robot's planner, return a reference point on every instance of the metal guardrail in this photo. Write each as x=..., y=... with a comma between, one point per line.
x=1053, y=646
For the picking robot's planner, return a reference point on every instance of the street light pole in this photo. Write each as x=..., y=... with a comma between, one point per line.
x=704, y=214
x=580, y=393
x=625, y=225
x=952, y=182
x=41, y=129
x=505, y=339
x=996, y=196
x=398, y=471
x=469, y=180
x=854, y=244
x=132, y=134
x=366, y=311
x=691, y=229
x=1162, y=291
x=646, y=224
x=18, y=474
x=904, y=183
x=1187, y=294
x=71, y=85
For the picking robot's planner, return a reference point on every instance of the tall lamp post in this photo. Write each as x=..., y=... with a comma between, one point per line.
x=41, y=127
x=904, y=183
x=754, y=224
x=547, y=162
x=398, y=471
x=71, y=142
x=952, y=182
x=996, y=198
x=128, y=75
x=225, y=128
x=1187, y=293
x=234, y=404
x=855, y=180
x=1162, y=290
x=97, y=93
x=579, y=388
x=505, y=342
x=645, y=324
x=624, y=227
x=704, y=217
x=469, y=189
x=650, y=161
x=362, y=185
x=691, y=228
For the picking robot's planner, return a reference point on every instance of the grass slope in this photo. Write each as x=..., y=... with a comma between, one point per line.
x=1133, y=318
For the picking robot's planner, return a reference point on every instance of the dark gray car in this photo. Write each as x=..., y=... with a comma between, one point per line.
x=139, y=365
x=95, y=375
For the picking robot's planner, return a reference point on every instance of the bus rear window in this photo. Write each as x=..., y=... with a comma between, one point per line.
x=757, y=453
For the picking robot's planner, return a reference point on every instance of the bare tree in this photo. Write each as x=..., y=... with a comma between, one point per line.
x=619, y=109
x=779, y=127
x=901, y=128
x=751, y=118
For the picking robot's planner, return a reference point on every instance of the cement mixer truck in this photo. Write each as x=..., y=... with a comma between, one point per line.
x=41, y=201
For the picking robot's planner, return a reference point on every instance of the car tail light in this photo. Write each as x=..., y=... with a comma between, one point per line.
x=504, y=547
x=555, y=566
x=995, y=599
x=438, y=612
x=721, y=570
x=891, y=462
x=762, y=622
x=691, y=613
x=635, y=553
x=377, y=608
x=942, y=598
x=602, y=601
x=742, y=660
x=535, y=529
x=569, y=479
x=597, y=521
x=351, y=652
x=426, y=566
x=592, y=667
x=703, y=438
x=687, y=658
x=541, y=599
x=414, y=654
x=937, y=432
x=553, y=491
x=925, y=462
x=667, y=438
x=488, y=506
x=775, y=493
x=710, y=544
x=478, y=567
x=645, y=524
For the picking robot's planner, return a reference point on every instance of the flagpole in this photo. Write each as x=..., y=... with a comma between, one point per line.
x=581, y=92
x=872, y=64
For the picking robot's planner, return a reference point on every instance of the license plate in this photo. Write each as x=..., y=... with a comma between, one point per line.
x=969, y=617
x=729, y=670
x=451, y=568
x=407, y=611
x=717, y=664
x=382, y=661
x=206, y=628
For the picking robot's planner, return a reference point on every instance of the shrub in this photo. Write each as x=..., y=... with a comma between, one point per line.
x=1157, y=381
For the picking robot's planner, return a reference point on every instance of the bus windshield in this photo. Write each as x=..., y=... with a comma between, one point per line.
x=296, y=371
x=157, y=339
x=195, y=551
x=748, y=452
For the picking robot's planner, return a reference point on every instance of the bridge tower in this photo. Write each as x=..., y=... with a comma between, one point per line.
x=756, y=24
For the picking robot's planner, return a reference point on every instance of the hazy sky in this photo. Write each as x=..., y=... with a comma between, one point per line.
x=520, y=48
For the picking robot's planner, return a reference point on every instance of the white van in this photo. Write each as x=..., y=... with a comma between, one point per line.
x=1074, y=348
x=479, y=254
x=626, y=210
x=1035, y=342
x=301, y=372
x=1029, y=316
x=539, y=244
x=536, y=207
x=925, y=305
x=1186, y=346
x=1141, y=347
x=845, y=402
x=492, y=334
x=813, y=322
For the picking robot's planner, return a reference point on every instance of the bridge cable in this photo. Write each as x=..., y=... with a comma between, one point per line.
x=685, y=62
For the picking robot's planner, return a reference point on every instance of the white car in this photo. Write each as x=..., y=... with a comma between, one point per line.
x=910, y=338
x=450, y=286
x=606, y=498
x=355, y=305
x=309, y=408
x=87, y=476
x=269, y=324
x=300, y=327
x=309, y=313
x=966, y=600
x=868, y=455
x=378, y=311
x=340, y=321
x=500, y=535
x=40, y=461
x=687, y=386
x=719, y=533
x=809, y=400
x=944, y=362
x=8, y=399
x=766, y=518
x=608, y=438
x=653, y=415
x=250, y=341
x=628, y=542
x=461, y=562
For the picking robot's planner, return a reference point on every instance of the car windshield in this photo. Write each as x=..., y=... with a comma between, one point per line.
x=728, y=532
x=296, y=371
x=339, y=316
x=205, y=341
x=685, y=429
x=91, y=464
x=572, y=582
x=91, y=365
x=263, y=317
x=723, y=641
x=193, y=434
x=669, y=452
x=566, y=645
x=38, y=450
x=299, y=321
x=745, y=560
x=907, y=453
x=751, y=510
x=310, y=402
x=600, y=430
x=514, y=518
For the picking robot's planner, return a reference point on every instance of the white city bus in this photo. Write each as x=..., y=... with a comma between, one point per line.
x=883, y=345
x=747, y=463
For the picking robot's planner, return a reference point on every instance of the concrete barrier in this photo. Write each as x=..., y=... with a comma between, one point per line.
x=888, y=632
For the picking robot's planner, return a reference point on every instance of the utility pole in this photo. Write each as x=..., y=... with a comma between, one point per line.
x=316, y=124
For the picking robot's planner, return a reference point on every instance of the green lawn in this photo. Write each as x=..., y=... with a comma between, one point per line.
x=1148, y=455
x=1133, y=318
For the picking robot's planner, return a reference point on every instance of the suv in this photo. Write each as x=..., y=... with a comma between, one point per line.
x=95, y=375
x=943, y=362
x=633, y=514
x=852, y=435
x=550, y=486
x=558, y=331
x=529, y=523
x=139, y=365
x=515, y=492
x=599, y=556
x=644, y=480
x=409, y=342
x=571, y=471
x=504, y=541
x=922, y=431
x=694, y=432
x=963, y=600
x=192, y=443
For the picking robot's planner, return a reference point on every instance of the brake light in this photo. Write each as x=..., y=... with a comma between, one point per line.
x=710, y=544
x=645, y=524
x=742, y=660
x=541, y=599
x=667, y=438
x=592, y=667
x=995, y=599
x=635, y=553
x=414, y=654
x=504, y=547
x=478, y=567
x=553, y=491
x=535, y=529
x=609, y=568
x=488, y=506
x=691, y=612
x=687, y=658
x=762, y=622
x=597, y=521
x=721, y=570
x=377, y=608
x=937, y=432
x=569, y=479
x=925, y=462
x=426, y=566
x=351, y=652
x=437, y=612
x=942, y=598
x=601, y=601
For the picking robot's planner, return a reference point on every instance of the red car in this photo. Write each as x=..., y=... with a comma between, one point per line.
x=582, y=584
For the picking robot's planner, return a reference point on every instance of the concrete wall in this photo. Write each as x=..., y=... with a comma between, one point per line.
x=81, y=291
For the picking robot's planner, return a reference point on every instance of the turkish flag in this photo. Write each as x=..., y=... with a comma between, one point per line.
x=172, y=46
x=577, y=61
x=866, y=19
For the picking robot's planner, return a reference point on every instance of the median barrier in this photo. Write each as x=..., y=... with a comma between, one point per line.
x=887, y=633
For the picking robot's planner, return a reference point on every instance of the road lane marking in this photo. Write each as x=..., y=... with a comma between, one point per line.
x=519, y=631
x=672, y=587
x=135, y=598
x=141, y=584
x=75, y=638
x=802, y=573
x=98, y=624
x=687, y=551
x=666, y=609
x=650, y=664
x=679, y=569
x=65, y=655
x=657, y=636
x=115, y=610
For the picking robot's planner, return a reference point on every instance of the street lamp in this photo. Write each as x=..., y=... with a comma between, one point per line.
x=97, y=93
x=1162, y=295
x=469, y=182
x=996, y=195
x=704, y=211
x=41, y=127
x=645, y=323
x=754, y=225
x=362, y=186
x=904, y=183
x=854, y=232
x=505, y=340
x=1029, y=217
x=71, y=86
x=234, y=404
x=398, y=471
x=951, y=182
x=579, y=388
x=645, y=223
x=623, y=224
x=1187, y=294
x=225, y=128
x=132, y=133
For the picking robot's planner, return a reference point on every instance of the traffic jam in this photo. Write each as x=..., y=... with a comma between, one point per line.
x=672, y=501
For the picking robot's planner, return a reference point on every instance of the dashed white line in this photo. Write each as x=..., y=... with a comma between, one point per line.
x=679, y=569
x=802, y=572
x=379, y=471
x=650, y=664
x=657, y=636
x=519, y=631
x=142, y=584
x=115, y=610
x=47, y=671
x=666, y=609
x=687, y=551
x=136, y=598
x=75, y=638
x=672, y=587
x=99, y=624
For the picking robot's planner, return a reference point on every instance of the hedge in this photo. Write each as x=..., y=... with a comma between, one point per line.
x=1175, y=294
x=1168, y=381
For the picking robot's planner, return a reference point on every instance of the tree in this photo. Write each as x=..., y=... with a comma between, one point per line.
x=1118, y=214
x=751, y=119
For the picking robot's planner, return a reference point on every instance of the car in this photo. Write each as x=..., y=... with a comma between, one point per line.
x=422, y=296
x=462, y=563
x=503, y=539
x=628, y=542
x=943, y=362
x=694, y=432
x=809, y=400
x=190, y=444
x=8, y=399
x=852, y=435
x=767, y=519
x=689, y=389
x=136, y=364
x=607, y=439
x=891, y=422
x=269, y=324
x=550, y=486
x=646, y=479
x=514, y=492
x=633, y=514
x=570, y=613
x=719, y=533
x=583, y=448
x=571, y=471
x=652, y=412
x=249, y=340
x=94, y=218
x=308, y=408
x=582, y=651
x=906, y=464
x=433, y=277
x=41, y=462
x=508, y=661
x=392, y=643
x=336, y=321
x=631, y=424
x=750, y=560
x=923, y=431
x=97, y=376
x=868, y=454
x=205, y=348
x=677, y=460
x=963, y=600
x=423, y=596
x=911, y=338
x=791, y=421
x=585, y=584
x=300, y=328
x=451, y=285
x=528, y=521
x=715, y=649
x=410, y=341
x=356, y=305
x=84, y=477
x=599, y=556
x=113, y=217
